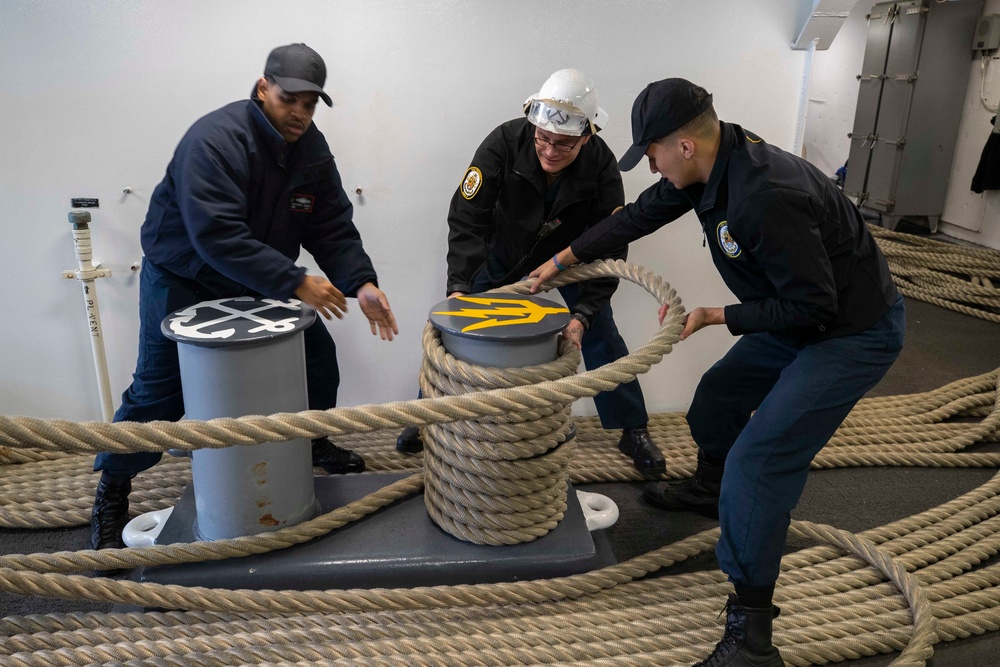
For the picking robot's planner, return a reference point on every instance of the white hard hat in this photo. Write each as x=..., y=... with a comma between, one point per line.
x=566, y=104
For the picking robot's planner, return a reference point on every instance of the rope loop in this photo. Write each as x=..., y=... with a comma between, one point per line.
x=502, y=402
x=516, y=462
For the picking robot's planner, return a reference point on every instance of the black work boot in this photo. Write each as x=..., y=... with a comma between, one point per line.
x=699, y=493
x=747, y=639
x=409, y=441
x=647, y=459
x=110, y=513
x=335, y=460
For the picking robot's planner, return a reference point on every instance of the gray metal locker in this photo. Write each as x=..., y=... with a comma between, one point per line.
x=912, y=87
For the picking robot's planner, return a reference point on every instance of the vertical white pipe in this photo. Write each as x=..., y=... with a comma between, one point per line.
x=800, y=120
x=87, y=275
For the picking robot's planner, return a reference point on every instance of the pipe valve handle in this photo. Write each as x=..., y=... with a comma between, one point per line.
x=79, y=218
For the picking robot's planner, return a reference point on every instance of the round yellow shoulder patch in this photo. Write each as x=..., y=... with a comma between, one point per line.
x=471, y=182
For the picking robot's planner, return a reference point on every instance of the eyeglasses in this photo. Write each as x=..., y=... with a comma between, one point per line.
x=562, y=147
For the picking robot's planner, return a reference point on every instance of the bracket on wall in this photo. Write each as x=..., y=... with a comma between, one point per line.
x=824, y=22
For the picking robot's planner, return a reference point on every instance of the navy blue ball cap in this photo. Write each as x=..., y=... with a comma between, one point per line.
x=661, y=108
x=297, y=69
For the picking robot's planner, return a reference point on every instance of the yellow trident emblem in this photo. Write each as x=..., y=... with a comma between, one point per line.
x=520, y=311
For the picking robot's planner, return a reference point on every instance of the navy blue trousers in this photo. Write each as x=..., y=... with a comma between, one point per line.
x=623, y=406
x=768, y=408
x=155, y=392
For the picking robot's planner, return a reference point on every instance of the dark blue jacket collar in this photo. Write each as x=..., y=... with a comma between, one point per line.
x=310, y=149
x=727, y=141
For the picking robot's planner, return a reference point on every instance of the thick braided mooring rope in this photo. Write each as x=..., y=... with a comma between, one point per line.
x=836, y=607
x=949, y=275
x=499, y=480
x=93, y=437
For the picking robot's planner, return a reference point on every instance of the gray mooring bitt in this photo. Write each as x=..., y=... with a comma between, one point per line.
x=500, y=330
x=401, y=546
x=246, y=356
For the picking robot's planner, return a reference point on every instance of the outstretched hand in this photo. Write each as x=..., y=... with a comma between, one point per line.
x=375, y=306
x=322, y=295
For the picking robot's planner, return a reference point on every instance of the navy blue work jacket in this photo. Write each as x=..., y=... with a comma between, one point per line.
x=237, y=204
x=788, y=243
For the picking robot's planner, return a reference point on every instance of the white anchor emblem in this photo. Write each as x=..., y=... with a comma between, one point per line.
x=179, y=326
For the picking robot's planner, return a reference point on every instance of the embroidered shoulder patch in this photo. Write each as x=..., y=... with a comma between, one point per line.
x=303, y=203
x=471, y=183
x=727, y=242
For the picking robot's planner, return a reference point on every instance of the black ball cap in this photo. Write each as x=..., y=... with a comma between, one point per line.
x=661, y=108
x=297, y=69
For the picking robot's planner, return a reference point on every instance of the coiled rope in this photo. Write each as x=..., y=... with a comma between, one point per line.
x=949, y=275
x=836, y=607
x=500, y=480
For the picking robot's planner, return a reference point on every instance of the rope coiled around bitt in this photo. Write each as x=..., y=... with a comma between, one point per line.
x=497, y=480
